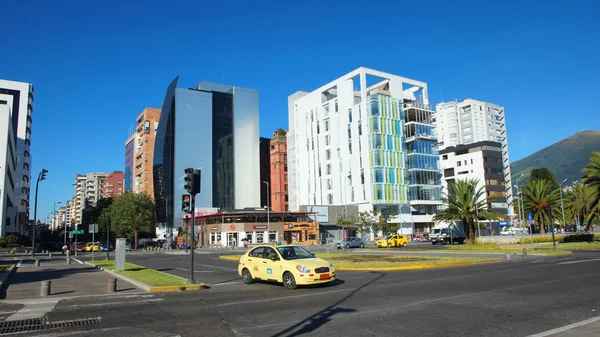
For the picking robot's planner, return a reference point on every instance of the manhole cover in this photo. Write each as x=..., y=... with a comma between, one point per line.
x=36, y=324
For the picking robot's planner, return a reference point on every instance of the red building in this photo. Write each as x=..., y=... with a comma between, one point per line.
x=279, y=171
x=113, y=185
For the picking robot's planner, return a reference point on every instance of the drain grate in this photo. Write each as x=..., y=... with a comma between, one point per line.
x=36, y=324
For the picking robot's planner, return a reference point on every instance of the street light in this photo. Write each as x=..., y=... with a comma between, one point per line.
x=268, y=212
x=562, y=206
x=54, y=214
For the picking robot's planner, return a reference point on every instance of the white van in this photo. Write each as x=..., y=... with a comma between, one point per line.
x=509, y=230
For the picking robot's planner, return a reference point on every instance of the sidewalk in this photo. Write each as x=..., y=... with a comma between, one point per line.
x=67, y=280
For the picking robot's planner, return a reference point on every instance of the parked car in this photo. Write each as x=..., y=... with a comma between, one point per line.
x=288, y=264
x=103, y=246
x=77, y=246
x=92, y=246
x=351, y=242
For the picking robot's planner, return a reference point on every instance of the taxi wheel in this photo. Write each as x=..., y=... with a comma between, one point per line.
x=389, y=245
x=362, y=245
x=289, y=281
x=247, y=277
x=404, y=244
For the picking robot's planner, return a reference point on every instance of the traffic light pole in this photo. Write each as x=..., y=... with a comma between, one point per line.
x=34, y=218
x=192, y=225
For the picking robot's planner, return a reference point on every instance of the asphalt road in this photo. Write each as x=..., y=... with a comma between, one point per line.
x=519, y=297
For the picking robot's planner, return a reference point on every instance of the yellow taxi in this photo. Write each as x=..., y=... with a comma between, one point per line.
x=92, y=246
x=288, y=264
x=392, y=240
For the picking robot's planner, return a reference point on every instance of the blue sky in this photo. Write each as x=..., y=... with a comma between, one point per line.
x=97, y=64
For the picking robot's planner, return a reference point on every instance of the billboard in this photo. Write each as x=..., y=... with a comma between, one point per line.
x=322, y=213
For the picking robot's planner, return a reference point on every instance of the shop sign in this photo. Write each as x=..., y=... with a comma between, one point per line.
x=232, y=227
x=214, y=228
x=259, y=227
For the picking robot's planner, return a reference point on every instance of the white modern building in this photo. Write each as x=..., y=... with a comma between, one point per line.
x=481, y=161
x=8, y=204
x=472, y=121
x=89, y=190
x=365, y=139
x=18, y=98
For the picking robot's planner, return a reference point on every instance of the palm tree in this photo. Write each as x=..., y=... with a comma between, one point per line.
x=579, y=203
x=592, y=178
x=538, y=196
x=467, y=203
x=139, y=221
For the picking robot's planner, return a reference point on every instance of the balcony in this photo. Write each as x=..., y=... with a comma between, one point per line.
x=418, y=105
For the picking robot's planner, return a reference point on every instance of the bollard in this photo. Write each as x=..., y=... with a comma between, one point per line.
x=37, y=262
x=45, y=291
x=507, y=255
x=49, y=254
x=524, y=252
x=112, y=285
x=75, y=252
x=68, y=260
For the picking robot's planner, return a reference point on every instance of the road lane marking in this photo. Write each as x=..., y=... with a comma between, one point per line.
x=579, y=261
x=566, y=327
x=19, y=263
x=211, y=266
x=78, y=261
x=197, y=271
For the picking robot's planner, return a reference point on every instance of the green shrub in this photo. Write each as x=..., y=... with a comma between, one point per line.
x=3, y=242
x=541, y=239
x=580, y=238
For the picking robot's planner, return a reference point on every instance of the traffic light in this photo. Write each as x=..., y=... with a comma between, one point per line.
x=192, y=181
x=186, y=203
x=43, y=174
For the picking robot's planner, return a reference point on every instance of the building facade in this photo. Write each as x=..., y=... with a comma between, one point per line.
x=213, y=128
x=279, y=171
x=113, y=185
x=18, y=97
x=481, y=161
x=88, y=191
x=472, y=121
x=265, y=172
x=139, y=152
x=130, y=146
x=366, y=139
x=9, y=210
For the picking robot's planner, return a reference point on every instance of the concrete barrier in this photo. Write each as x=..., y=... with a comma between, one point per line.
x=46, y=288
x=112, y=285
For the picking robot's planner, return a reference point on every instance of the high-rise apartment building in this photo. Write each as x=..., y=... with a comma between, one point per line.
x=18, y=97
x=8, y=204
x=89, y=190
x=214, y=128
x=365, y=139
x=472, y=121
x=139, y=153
x=113, y=185
x=481, y=161
x=279, y=171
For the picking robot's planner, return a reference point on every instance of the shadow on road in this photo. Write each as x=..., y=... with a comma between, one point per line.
x=317, y=320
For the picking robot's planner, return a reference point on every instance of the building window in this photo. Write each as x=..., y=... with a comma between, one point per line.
x=215, y=238
x=329, y=184
x=350, y=115
x=458, y=163
x=318, y=129
x=349, y=132
x=326, y=122
x=330, y=199
x=328, y=169
x=359, y=128
x=350, y=147
x=327, y=154
x=327, y=139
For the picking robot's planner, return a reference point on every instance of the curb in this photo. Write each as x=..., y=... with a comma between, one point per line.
x=422, y=266
x=7, y=275
x=149, y=288
x=230, y=258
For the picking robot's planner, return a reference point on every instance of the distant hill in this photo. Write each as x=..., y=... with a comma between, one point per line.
x=565, y=158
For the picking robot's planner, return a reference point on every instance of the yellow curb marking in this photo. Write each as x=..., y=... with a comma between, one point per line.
x=163, y=289
x=230, y=258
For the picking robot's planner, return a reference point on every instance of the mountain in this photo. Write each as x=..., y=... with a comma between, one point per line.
x=565, y=158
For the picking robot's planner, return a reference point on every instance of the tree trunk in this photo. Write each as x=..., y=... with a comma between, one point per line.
x=471, y=233
x=135, y=237
x=542, y=229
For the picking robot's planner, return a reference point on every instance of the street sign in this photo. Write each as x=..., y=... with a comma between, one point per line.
x=93, y=228
x=529, y=217
x=78, y=232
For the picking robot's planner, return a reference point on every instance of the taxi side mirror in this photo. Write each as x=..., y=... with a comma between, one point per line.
x=274, y=258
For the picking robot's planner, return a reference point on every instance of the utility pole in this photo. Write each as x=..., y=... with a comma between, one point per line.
x=41, y=177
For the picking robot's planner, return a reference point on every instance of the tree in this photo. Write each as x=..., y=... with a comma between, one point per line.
x=544, y=174
x=131, y=214
x=592, y=179
x=92, y=216
x=579, y=202
x=467, y=203
x=538, y=195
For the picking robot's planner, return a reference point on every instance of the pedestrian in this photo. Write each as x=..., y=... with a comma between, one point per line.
x=64, y=249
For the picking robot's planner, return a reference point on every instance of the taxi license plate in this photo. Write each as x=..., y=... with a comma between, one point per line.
x=324, y=276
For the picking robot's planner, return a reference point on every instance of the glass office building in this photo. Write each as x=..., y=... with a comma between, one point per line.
x=214, y=128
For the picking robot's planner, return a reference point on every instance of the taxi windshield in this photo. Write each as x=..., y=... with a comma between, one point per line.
x=389, y=236
x=294, y=253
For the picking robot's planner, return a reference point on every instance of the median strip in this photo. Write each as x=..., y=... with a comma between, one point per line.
x=148, y=279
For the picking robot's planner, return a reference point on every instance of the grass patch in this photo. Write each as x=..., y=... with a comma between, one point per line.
x=573, y=246
x=386, y=261
x=149, y=276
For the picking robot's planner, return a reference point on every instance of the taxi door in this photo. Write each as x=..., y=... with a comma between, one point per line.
x=271, y=265
x=254, y=262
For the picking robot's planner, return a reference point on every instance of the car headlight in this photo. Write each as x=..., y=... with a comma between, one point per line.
x=332, y=268
x=303, y=269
